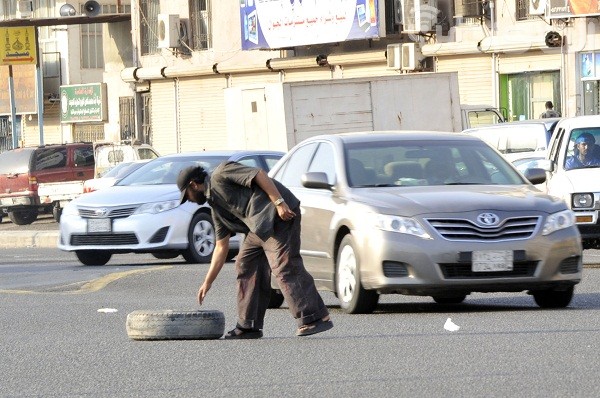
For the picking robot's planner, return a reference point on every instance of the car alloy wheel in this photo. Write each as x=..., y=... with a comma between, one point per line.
x=354, y=299
x=201, y=237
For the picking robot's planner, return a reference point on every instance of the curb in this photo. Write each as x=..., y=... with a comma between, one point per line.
x=16, y=239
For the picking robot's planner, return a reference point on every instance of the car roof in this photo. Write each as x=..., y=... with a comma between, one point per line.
x=400, y=135
x=548, y=123
x=233, y=154
x=580, y=121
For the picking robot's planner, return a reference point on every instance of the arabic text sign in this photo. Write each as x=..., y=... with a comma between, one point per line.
x=83, y=103
x=572, y=8
x=18, y=45
x=24, y=78
x=287, y=23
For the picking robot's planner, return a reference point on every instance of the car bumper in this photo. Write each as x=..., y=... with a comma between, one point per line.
x=398, y=263
x=136, y=233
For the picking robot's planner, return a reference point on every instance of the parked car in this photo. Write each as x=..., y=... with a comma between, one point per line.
x=579, y=187
x=142, y=212
x=110, y=154
x=112, y=176
x=22, y=170
x=428, y=214
x=518, y=140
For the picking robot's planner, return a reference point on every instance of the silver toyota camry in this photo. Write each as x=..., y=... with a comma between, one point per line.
x=428, y=214
x=142, y=212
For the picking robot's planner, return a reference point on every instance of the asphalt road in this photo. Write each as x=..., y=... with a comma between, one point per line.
x=55, y=343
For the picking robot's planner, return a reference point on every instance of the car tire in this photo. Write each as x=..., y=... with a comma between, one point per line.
x=201, y=238
x=449, y=299
x=93, y=257
x=165, y=255
x=56, y=213
x=553, y=298
x=354, y=299
x=23, y=217
x=175, y=325
x=276, y=300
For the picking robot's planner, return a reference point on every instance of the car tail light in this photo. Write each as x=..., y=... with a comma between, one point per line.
x=33, y=184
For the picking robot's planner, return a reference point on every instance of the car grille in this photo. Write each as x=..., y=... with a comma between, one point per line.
x=119, y=212
x=466, y=230
x=393, y=269
x=104, y=239
x=570, y=265
x=160, y=235
x=463, y=271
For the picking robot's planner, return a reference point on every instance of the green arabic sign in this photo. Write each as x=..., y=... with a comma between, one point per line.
x=83, y=103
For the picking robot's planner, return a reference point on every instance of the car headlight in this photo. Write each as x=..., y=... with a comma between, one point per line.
x=403, y=225
x=557, y=221
x=69, y=210
x=583, y=200
x=157, y=207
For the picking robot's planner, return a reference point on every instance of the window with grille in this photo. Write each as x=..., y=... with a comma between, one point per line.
x=522, y=7
x=148, y=26
x=127, y=118
x=92, y=51
x=200, y=23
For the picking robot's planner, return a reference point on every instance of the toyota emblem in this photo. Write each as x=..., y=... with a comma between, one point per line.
x=488, y=219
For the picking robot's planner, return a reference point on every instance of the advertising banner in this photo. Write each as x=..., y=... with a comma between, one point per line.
x=272, y=24
x=24, y=88
x=572, y=8
x=83, y=103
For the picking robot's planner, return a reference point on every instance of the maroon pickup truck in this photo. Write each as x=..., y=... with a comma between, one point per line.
x=23, y=169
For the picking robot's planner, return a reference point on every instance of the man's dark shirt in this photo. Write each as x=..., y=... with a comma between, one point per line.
x=239, y=204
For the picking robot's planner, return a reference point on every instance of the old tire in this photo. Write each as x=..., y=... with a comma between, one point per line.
x=93, y=257
x=354, y=299
x=23, y=217
x=553, y=298
x=201, y=238
x=175, y=325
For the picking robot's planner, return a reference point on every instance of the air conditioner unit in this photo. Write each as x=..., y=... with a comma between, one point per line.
x=394, y=56
x=411, y=56
x=168, y=30
x=468, y=8
x=419, y=15
x=537, y=7
x=25, y=9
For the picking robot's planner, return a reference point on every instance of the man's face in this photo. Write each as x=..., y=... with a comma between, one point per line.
x=583, y=148
x=195, y=193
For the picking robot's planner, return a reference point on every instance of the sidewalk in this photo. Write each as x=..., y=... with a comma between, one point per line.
x=16, y=239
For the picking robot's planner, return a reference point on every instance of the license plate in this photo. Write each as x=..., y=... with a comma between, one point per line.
x=492, y=260
x=99, y=225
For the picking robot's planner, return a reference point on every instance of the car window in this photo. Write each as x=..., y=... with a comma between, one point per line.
x=323, y=161
x=15, y=161
x=251, y=161
x=50, y=158
x=296, y=165
x=147, y=153
x=271, y=160
x=165, y=170
x=83, y=156
x=593, y=149
x=409, y=163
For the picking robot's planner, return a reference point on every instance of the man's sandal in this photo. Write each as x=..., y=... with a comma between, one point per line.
x=315, y=327
x=243, y=333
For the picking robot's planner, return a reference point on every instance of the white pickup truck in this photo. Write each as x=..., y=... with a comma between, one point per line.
x=572, y=168
x=58, y=194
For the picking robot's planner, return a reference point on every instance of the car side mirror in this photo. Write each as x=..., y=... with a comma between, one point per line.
x=545, y=164
x=315, y=179
x=535, y=175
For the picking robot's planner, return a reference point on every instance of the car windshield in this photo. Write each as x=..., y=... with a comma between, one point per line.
x=165, y=170
x=409, y=163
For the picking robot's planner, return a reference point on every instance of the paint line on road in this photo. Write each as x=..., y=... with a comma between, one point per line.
x=88, y=286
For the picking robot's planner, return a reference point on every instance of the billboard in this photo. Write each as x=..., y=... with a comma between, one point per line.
x=24, y=78
x=571, y=8
x=272, y=24
x=83, y=103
